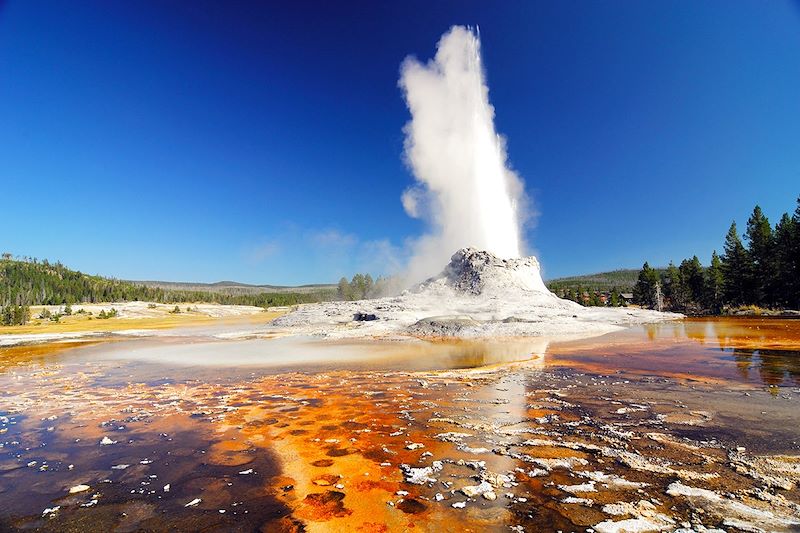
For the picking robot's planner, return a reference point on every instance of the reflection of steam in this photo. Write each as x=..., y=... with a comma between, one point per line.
x=465, y=189
x=479, y=353
x=302, y=352
x=473, y=354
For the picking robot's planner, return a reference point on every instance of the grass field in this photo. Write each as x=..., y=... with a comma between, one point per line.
x=159, y=319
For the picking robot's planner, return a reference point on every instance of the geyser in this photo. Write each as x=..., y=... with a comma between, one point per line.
x=477, y=295
x=465, y=189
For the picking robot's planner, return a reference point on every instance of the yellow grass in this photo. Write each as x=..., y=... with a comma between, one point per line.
x=81, y=323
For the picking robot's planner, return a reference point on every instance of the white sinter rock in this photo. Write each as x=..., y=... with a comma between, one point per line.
x=477, y=295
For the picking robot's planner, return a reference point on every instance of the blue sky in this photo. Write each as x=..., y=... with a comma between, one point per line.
x=263, y=143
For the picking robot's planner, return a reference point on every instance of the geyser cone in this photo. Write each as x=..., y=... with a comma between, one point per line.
x=476, y=295
x=478, y=272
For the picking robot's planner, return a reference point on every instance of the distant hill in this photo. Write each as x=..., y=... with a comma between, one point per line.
x=233, y=287
x=623, y=280
x=34, y=282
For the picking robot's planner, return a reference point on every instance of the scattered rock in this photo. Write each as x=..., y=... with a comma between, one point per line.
x=631, y=525
x=79, y=488
x=733, y=513
x=420, y=476
x=579, y=501
x=51, y=511
x=471, y=491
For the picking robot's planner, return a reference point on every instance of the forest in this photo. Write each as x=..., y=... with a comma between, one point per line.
x=25, y=282
x=758, y=269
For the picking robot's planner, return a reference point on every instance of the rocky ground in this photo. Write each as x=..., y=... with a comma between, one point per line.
x=518, y=447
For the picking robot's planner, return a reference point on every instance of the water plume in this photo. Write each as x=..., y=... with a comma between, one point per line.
x=464, y=188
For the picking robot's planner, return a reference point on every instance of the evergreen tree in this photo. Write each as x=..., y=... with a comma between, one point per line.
x=644, y=293
x=671, y=285
x=358, y=285
x=760, y=249
x=15, y=315
x=785, y=286
x=343, y=289
x=714, y=284
x=794, y=300
x=613, y=300
x=692, y=282
x=579, y=295
x=736, y=269
x=369, y=286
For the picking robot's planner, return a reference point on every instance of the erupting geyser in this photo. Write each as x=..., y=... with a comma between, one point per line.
x=474, y=205
x=464, y=190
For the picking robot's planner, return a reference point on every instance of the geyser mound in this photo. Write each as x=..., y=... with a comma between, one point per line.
x=472, y=271
x=476, y=295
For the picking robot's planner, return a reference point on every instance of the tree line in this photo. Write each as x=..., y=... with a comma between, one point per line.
x=26, y=282
x=759, y=268
x=590, y=297
x=362, y=287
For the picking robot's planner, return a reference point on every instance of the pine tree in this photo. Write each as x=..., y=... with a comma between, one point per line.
x=794, y=300
x=644, y=293
x=343, y=289
x=671, y=285
x=579, y=295
x=369, y=286
x=784, y=283
x=735, y=268
x=714, y=284
x=692, y=282
x=760, y=249
x=613, y=300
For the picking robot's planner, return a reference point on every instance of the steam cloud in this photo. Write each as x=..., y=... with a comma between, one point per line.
x=465, y=190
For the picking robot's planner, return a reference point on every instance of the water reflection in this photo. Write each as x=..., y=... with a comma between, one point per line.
x=752, y=350
x=755, y=350
x=774, y=367
x=311, y=354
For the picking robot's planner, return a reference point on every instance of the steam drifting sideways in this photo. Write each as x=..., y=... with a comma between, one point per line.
x=465, y=190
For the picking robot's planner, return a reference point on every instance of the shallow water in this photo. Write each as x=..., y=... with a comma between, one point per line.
x=291, y=435
x=739, y=350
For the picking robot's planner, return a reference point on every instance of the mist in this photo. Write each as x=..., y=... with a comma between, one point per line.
x=464, y=189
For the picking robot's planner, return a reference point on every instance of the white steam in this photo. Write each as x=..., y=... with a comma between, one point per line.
x=465, y=190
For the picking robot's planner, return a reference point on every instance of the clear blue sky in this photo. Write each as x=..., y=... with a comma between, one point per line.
x=262, y=143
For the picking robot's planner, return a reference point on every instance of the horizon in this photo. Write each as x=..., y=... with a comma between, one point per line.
x=167, y=132
x=309, y=284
